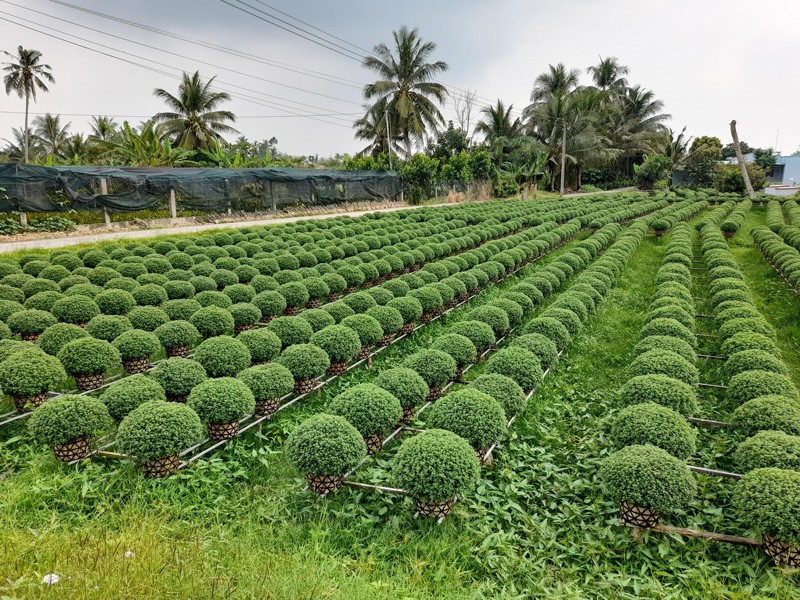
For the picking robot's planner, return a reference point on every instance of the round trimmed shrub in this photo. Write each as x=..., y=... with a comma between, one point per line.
x=757, y=325
x=222, y=400
x=754, y=360
x=175, y=334
x=30, y=373
x=213, y=298
x=769, y=501
x=295, y=294
x=42, y=301
x=8, y=292
x=368, y=329
x=150, y=294
x=404, y=384
x=648, y=476
x=474, y=415
x=267, y=382
x=651, y=423
x=73, y=309
x=552, y=329
x=148, y=318
x=222, y=356
x=305, y=361
x=543, y=347
x=664, y=362
x=108, y=327
x=270, y=303
x=504, y=390
x=88, y=356
x=181, y=309
x=69, y=418
x=136, y=344
x=340, y=343
x=519, y=364
x=768, y=413
x=130, y=393
x=263, y=344
x=325, y=445
x=367, y=407
x=436, y=465
x=317, y=318
x=752, y=384
x=157, y=429
x=409, y=307
x=212, y=321
x=115, y=302
x=661, y=389
x=566, y=317
x=291, y=330
x=769, y=449
x=30, y=322
x=9, y=307
x=437, y=368
x=37, y=286
x=663, y=342
x=338, y=310
x=479, y=333
x=746, y=340
x=177, y=289
x=201, y=283
x=245, y=314
x=54, y=337
x=458, y=346
x=387, y=317
x=360, y=302
x=670, y=328
x=178, y=376
x=495, y=317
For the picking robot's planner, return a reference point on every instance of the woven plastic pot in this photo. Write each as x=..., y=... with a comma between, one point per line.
x=409, y=414
x=660, y=232
x=36, y=401
x=161, y=467
x=291, y=311
x=427, y=317
x=314, y=303
x=485, y=459
x=324, y=484
x=223, y=431
x=434, y=392
x=178, y=399
x=338, y=367
x=179, y=351
x=350, y=289
x=333, y=296
x=784, y=555
x=364, y=353
x=240, y=328
x=74, y=450
x=729, y=234
x=267, y=318
x=374, y=443
x=407, y=329
x=638, y=516
x=386, y=340
x=435, y=509
x=139, y=365
x=89, y=382
x=303, y=386
x=30, y=337
x=264, y=408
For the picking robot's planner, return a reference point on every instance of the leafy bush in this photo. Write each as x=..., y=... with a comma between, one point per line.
x=368, y=408
x=295, y=293
x=339, y=342
x=768, y=413
x=390, y=319
x=42, y=301
x=748, y=341
x=479, y=333
x=180, y=309
x=368, y=329
x=752, y=325
x=664, y=342
x=543, y=347
x=68, y=418
x=148, y=318
x=768, y=449
x=670, y=328
x=436, y=465
x=503, y=389
x=458, y=346
x=663, y=390
x=521, y=365
x=566, y=317
x=404, y=384
x=270, y=303
x=305, y=361
x=551, y=329
x=648, y=476
x=214, y=298
x=268, y=381
x=339, y=311
x=238, y=292
x=752, y=384
x=130, y=393
x=222, y=356
x=650, y=423
x=434, y=366
x=769, y=500
x=410, y=308
x=664, y=362
x=325, y=445
x=30, y=373
x=159, y=429
x=222, y=400
x=30, y=322
x=115, y=302
x=470, y=413
x=754, y=360
x=176, y=333
x=360, y=302
x=88, y=356
x=245, y=314
x=108, y=327
x=178, y=376
x=212, y=321
x=136, y=344
x=291, y=330
x=54, y=337
x=493, y=316
x=150, y=295
x=263, y=344
x=74, y=309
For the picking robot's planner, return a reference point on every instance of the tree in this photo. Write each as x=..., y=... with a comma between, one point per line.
x=406, y=86
x=372, y=127
x=462, y=105
x=764, y=158
x=498, y=122
x=728, y=151
x=701, y=162
x=51, y=134
x=676, y=150
x=609, y=74
x=740, y=159
x=25, y=76
x=144, y=148
x=450, y=142
x=196, y=122
x=104, y=129
x=654, y=169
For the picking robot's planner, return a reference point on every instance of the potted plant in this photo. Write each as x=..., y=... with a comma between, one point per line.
x=663, y=390
x=369, y=333
x=270, y=303
x=181, y=309
x=460, y=348
x=108, y=327
x=156, y=432
x=336, y=284
x=222, y=356
x=307, y=363
x=212, y=321
x=431, y=301
x=77, y=310
x=318, y=318
x=115, y=302
x=129, y=393
x=390, y=320
x=177, y=337
x=269, y=383
x=324, y=448
x=473, y=415
x=135, y=347
x=651, y=423
x=505, y=390
x=769, y=500
x=410, y=308
x=479, y=333
x=148, y=318
x=660, y=226
x=647, y=482
x=407, y=386
x=435, y=467
x=245, y=315
x=544, y=348
x=178, y=376
x=767, y=413
x=318, y=290
x=30, y=324
x=437, y=368
x=54, y=337
x=338, y=310
x=752, y=384
x=263, y=345
x=220, y=403
x=291, y=330
x=29, y=376
x=494, y=316
x=296, y=296
x=68, y=424
x=340, y=343
x=87, y=360
x=521, y=365
x=370, y=409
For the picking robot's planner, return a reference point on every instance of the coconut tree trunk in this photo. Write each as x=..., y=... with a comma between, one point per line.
x=26, y=133
x=408, y=145
x=740, y=158
x=563, y=156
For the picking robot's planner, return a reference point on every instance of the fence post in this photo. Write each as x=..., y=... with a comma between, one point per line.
x=23, y=218
x=227, y=196
x=272, y=196
x=173, y=210
x=104, y=192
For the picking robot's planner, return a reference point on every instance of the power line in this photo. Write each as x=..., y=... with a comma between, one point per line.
x=102, y=114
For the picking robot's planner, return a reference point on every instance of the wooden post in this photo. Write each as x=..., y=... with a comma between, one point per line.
x=740, y=159
x=173, y=209
x=104, y=192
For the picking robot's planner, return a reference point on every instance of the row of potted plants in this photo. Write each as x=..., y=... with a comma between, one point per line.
x=784, y=258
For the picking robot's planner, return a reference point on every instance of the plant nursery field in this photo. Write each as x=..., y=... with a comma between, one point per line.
x=590, y=397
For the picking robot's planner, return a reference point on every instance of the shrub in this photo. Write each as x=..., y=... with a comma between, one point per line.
x=270, y=303
x=295, y=294
x=434, y=366
x=664, y=362
x=88, y=356
x=543, y=347
x=519, y=364
x=757, y=325
x=769, y=449
x=212, y=321
x=404, y=384
x=181, y=309
x=436, y=465
x=148, y=318
x=650, y=423
x=648, y=476
x=752, y=384
x=368, y=329
x=267, y=382
x=504, y=390
x=661, y=389
x=150, y=295
x=339, y=342
x=670, y=328
x=754, y=360
x=664, y=342
x=291, y=330
x=136, y=344
x=130, y=393
x=42, y=301
x=68, y=418
x=115, y=302
x=746, y=340
x=409, y=307
x=108, y=327
x=30, y=373
x=552, y=329
x=159, y=429
x=305, y=361
x=367, y=407
x=768, y=413
x=339, y=310
x=8, y=292
x=245, y=314
x=222, y=356
x=470, y=413
x=178, y=290
x=54, y=337
x=74, y=309
x=493, y=316
x=457, y=346
x=213, y=298
x=316, y=287
x=769, y=500
x=566, y=317
x=263, y=344
x=222, y=400
x=30, y=322
x=325, y=445
x=238, y=292
x=317, y=318
x=360, y=302
x=387, y=317
x=178, y=376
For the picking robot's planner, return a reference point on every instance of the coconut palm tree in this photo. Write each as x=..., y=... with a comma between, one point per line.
x=51, y=134
x=609, y=74
x=557, y=79
x=24, y=76
x=195, y=121
x=407, y=85
x=104, y=129
x=372, y=128
x=498, y=122
x=676, y=149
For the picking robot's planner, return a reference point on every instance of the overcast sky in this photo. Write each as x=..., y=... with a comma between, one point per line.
x=710, y=61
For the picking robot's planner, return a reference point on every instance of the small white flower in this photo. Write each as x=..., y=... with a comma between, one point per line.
x=51, y=579
x=130, y=554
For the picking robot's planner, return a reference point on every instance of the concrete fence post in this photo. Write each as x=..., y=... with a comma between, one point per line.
x=104, y=192
x=173, y=209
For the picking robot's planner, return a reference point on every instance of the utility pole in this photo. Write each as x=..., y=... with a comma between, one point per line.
x=563, y=154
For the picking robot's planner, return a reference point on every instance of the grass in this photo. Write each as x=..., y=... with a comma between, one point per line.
x=238, y=525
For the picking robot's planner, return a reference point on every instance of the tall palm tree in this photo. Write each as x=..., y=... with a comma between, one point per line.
x=557, y=79
x=498, y=122
x=52, y=135
x=609, y=74
x=407, y=85
x=104, y=129
x=372, y=128
x=195, y=121
x=24, y=76
x=676, y=149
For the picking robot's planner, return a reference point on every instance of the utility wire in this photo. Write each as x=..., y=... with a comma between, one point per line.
x=101, y=114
